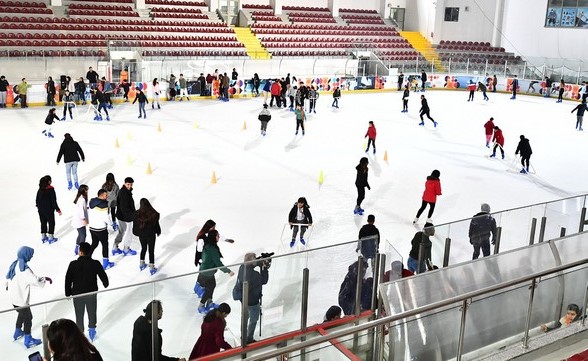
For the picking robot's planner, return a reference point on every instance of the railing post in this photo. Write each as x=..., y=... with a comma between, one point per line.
x=464, y=308
x=497, y=240
x=446, y=253
x=244, y=310
x=529, y=311
x=304, y=309
x=46, y=352
x=585, y=305
x=379, y=341
x=562, y=232
x=582, y=219
x=533, y=227
x=358, y=285
x=155, y=329
x=542, y=228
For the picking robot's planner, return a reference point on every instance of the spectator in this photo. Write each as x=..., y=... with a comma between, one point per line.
x=80, y=88
x=50, y=92
x=225, y=87
x=421, y=240
x=68, y=104
x=92, y=77
x=125, y=213
x=20, y=279
x=333, y=313
x=525, y=149
x=423, y=80
x=142, y=343
x=126, y=88
x=573, y=314
x=202, y=84
x=562, y=89
x=313, y=96
x=209, y=79
x=183, y=88
x=494, y=83
x=264, y=117
x=146, y=227
x=211, y=260
x=79, y=219
x=255, y=84
x=98, y=226
x=71, y=152
x=67, y=343
x=234, y=75
x=212, y=338
x=80, y=278
x=396, y=272
x=112, y=188
x=400, y=80
x=3, y=91
x=23, y=88
x=46, y=202
x=369, y=247
x=348, y=288
x=299, y=214
x=482, y=226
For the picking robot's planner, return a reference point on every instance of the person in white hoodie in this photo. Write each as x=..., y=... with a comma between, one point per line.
x=79, y=219
x=20, y=279
x=155, y=91
x=99, y=221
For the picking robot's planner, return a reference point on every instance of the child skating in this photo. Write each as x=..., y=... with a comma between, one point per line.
x=142, y=101
x=371, y=135
x=264, y=117
x=49, y=120
x=498, y=142
x=425, y=111
x=300, y=118
x=361, y=182
x=405, y=97
x=432, y=190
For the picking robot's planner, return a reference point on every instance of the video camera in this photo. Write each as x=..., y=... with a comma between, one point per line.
x=265, y=260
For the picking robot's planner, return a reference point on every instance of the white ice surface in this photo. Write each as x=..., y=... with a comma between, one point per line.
x=259, y=178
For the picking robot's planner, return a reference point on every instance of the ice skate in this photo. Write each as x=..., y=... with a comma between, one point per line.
x=106, y=264
x=142, y=265
x=29, y=341
x=292, y=243
x=129, y=252
x=422, y=123
x=18, y=333
x=92, y=333
x=69, y=185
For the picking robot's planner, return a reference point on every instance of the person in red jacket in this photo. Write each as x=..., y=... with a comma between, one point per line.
x=489, y=128
x=472, y=89
x=432, y=190
x=276, y=91
x=498, y=142
x=212, y=339
x=371, y=135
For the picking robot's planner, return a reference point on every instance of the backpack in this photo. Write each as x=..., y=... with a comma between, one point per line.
x=238, y=290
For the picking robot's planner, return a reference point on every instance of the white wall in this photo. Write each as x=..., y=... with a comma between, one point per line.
x=420, y=16
x=476, y=24
x=364, y=4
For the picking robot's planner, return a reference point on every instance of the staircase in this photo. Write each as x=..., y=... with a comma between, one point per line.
x=424, y=47
x=252, y=44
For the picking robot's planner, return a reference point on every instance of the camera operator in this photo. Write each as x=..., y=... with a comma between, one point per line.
x=247, y=272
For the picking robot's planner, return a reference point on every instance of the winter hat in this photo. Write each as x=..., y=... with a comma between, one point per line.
x=485, y=208
x=23, y=255
x=332, y=312
x=436, y=173
x=265, y=106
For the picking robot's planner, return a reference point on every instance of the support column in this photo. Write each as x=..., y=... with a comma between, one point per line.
x=277, y=5
x=140, y=4
x=212, y=5
x=334, y=5
x=497, y=30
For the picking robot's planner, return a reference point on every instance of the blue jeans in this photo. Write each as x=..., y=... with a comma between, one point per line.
x=142, y=109
x=254, y=312
x=71, y=168
x=412, y=265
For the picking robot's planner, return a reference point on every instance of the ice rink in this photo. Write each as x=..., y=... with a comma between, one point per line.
x=258, y=180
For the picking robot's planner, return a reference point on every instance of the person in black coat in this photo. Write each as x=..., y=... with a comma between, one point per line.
x=421, y=239
x=80, y=88
x=142, y=99
x=400, y=80
x=405, y=96
x=69, y=343
x=3, y=91
x=50, y=92
x=256, y=280
x=202, y=84
x=425, y=111
x=423, y=80
x=146, y=227
x=125, y=213
x=525, y=148
x=348, y=288
x=299, y=214
x=46, y=203
x=361, y=181
x=369, y=247
x=71, y=152
x=581, y=108
x=515, y=85
x=255, y=85
x=481, y=227
x=142, y=343
x=92, y=77
x=49, y=120
x=80, y=278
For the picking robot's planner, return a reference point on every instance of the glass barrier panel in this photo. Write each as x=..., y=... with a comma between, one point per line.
x=442, y=232
x=516, y=227
x=564, y=213
x=572, y=249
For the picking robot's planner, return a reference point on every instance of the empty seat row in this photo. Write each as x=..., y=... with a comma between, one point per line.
x=193, y=53
x=322, y=32
x=458, y=42
x=304, y=8
x=314, y=15
x=52, y=53
x=108, y=1
x=311, y=20
x=23, y=10
x=117, y=28
x=339, y=39
x=122, y=42
x=266, y=18
x=469, y=48
x=322, y=27
x=175, y=10
x=24, y=4
x=127, y=22
x=256, y=6
x=100, y=7
x=365, y=21
x=104, y=36
x=358, y=11
x=262, y=13
x=102, y=13
x=175, y=2
x=355, y=16
x=309, y=53
x=179, y=16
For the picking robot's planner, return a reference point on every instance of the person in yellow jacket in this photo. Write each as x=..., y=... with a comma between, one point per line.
x=22, y=91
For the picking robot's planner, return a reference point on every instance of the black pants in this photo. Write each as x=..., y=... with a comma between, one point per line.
x=471, y=96
x=47, y=220
x=560, y=96
x=525, y=160
x=299, y=124
x=81, y=304
x=278, y=101
x=66, y=107
x=498, y=146
x=24, y=320
x=423, y=206
x=50, y=99
x=404, y=104
x=23, y=101
x=100, y=237
x=360, y=195
x=312, y=105
x=107, y=98
x=81, y=235
x=514, y=92
x=148, y=242
x=256, y=88
x=584, y=96
x=484, y=94
x=208, y=282
x=372, y=142
x=485, y=245
x=113, y=213
x=291, y=101
x=295, y=231
x=426, y=112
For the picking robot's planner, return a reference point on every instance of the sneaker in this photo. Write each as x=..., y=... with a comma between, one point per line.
x=129, y=252
x=18, y=333
x=92, y=333
x=29, y=341
x=303, y=241
x=116, y=250
x=76, y=249
x=292, y=243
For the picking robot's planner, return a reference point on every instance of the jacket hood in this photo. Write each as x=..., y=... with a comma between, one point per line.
x=99, y=203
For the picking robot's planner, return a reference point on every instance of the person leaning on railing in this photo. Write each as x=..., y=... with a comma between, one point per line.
x=573, y=314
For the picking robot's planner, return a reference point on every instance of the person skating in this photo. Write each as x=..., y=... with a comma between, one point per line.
x=46, y=203
x=371, y=135
x=49, y=120
x=79, y=218
x=81, y=277
x=99, y=99
x=142, y=98
x=423, y=80
x=562, y=89
x=581, y=108
x=112, y=188
x=515, y=85
x=361, y=182
x=472, y=90
x=300, y=118
x=3, y=91
x=498, y=140
x=68, y=104
x=146, y=227
x=336, y=97
x=313, y=96
x=264, y=117
x=126, y=86
x=299, y=217
x=432, y=190
x=183, y=88
x=20, y=279
x=482, y=226
x=99, y=221
x=291, y=93
x=276, y=91
x=489, y=131
x=92, y=77
x=80, y=91
x=71, y=152
x=425, y=111
x=211, y=260
x=23, y=89
x=482, y=87
x=125, y=212
x=405, y=97
x=525, y=149
x=255, y=84
x=155, y=91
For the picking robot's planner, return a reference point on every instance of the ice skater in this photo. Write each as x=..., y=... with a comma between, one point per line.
x=562, y=89
x=482, y=87
x=515, y=85
x=498, y=142
x=142, y=98
x=264, y=117
x=423, y=80
x=472, y=90
x=49, y=120
x=361, y=182
x=68, y=104
x=99, y=221
x=146, y=227
x=46, y=203
x=525, y=149
x=299, y=214
x=371, y=135
x=79, y=219
x=112, y=188
x=489, y=130
x=425, y=111
x=155, y=91
x=98, y=99
x=71, y=152
x=581, y=108
x=125, y=212
x=313, y=96
x=336, y=97
x=405, y=97
x=300, y=118
x=432, y=190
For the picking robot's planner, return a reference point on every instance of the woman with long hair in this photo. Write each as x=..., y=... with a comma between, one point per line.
x=146, y=227
x=112, y=188
x=211, y=260
x=68, y=343
x=432, y=190
x=207, y=227
x=79, y=220
x=361, y=182
x=155, y=90
x=46, y=203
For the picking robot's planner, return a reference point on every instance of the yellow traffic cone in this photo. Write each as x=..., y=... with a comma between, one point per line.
x=195, y=125
x=159, y=127
x=116, y=143
x=149, y=171
x=385, y=156
x=364, y=144
x=244, y=125
x=129, y=159
x=321, y=178
x=213, y=180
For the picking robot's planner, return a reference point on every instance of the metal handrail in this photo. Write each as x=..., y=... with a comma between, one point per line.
x=433, y=306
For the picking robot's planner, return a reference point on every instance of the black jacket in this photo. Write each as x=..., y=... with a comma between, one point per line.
x=92, y=77
x=400, y=79
x=424, y=105
x=142, y=342
x=361, y=180
x=4, y=85
x=50, y=87
x=307, y=216
x=81, y=276
x=346, y=297
x=125, y=210
x=481, y=226
x=141, y=97
x=50, y=119
x=71, y=151
x=581, y=108
x=406, y=94
x=80, y=86
x=524, y=147
x=337, y=93
x=370, y=247
x=148, y=230
x=47, y=201
x=418, y=239
x=424, y=76
x=256, y=281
